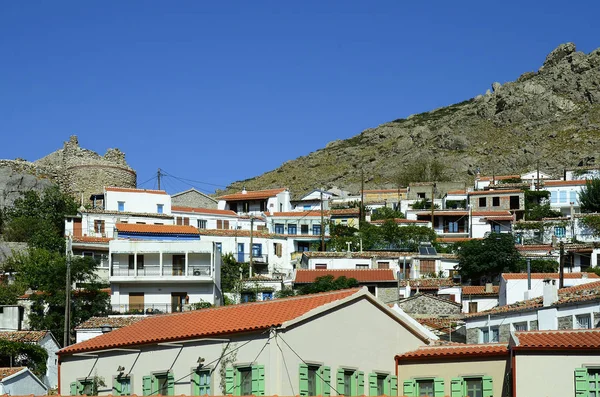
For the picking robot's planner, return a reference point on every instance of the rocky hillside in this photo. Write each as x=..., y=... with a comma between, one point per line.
x=551, y=116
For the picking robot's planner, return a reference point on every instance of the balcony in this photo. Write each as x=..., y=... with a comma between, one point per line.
x=167, y=271
x=149, y=309
x=244, y=257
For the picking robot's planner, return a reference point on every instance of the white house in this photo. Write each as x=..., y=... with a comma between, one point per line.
x=256, y=202
x=293, y=346
x=20, y=381
x=564, y=195
x=137, y=200
x=477, y=298
x=162, y=268
x=313, y=200
x=209, y=218
x=96, y=326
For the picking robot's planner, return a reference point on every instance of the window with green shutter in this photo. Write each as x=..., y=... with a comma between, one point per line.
x=84, y=387
x=587, y=382
x=121, y=386
x=159, y=384
x=350, y=382
x=201, y=382
x=245, y=381
x=472, y=387
x=381, y=384
x=433, y=387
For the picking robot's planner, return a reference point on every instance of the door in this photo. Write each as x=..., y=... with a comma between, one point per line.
x=136, y=301
x=77, y=227
x=178, y=265
x=240, y=252
x=177, y=301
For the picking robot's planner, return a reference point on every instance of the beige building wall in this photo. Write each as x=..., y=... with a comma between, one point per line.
x=496, y=367
x=533, y=372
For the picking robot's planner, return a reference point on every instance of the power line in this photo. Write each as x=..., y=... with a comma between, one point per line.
x=192, y=180
x=253, y=361
x=286, y=367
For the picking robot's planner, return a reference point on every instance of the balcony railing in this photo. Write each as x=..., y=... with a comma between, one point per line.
x=158, y=308
x=243, y=257
x=167, y=270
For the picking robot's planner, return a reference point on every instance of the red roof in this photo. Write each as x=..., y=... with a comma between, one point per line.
x=89, y=239
x=498, y=191
x=464, y=212
x=455, y=239
x=398, y=221
x=577, y=182
x=361, y=275
x=131, y=190
x=216, y=321
x=345, y=211
x=155, y=229
x=6, y=371
x=453, y=351
x=252, y=195
x=498, y=177
x=457, y=192
x=559, y=340
x=479, y=290
x=536, y=247
x=500, y=218
x=211, y=211
x=236, y=233
x=543, y=276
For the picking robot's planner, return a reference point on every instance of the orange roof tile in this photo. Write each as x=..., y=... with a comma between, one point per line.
x=211, y=211
x=6, y=371
x=498, y=177
x=155, y=229
x=298, y=214
x=361, y=275
x=457, y=192
x=535, y=247
x=455, y=239
x=453, y=351
x=345, y=211
x=222, y=320
x=577, y=182
x=403, y=190
x=398, y=221
x=237, y=233
x=559, y=340
x=131, y=190
x=542, y=276
x=479, y=290
x=444, y=213
x=90, y=239
x=428, y=283
x=498, y=191
x=114, y=322
x=23, y=336
x=500, y=218
x=252, y=195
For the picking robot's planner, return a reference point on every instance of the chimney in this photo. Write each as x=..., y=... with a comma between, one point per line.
x=244, y=191
x=550, y=292
x=489, y=288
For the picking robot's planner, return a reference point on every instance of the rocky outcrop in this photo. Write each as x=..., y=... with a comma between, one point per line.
x=550, y=117
x=18, y=177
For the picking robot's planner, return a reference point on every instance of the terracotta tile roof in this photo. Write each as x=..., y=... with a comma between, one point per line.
x=559, y=340
x=385, y=191
x=455, y=350
x=497, y=191
x=211, y=211
x=361, y=275
x=479, y=290
x=89, y=239
x=252, y=195
x=155, y=229
x=542, y=276
x=114, y=322
x=439, y=325
x=238, y=233
x=455, y=239
x=536, y=247
x=130, y=190
x=6, y=372
x=457, y=192
x=345, y=211
x=429, y=283
x=222, y=320
x=577, y=182
x=362, y=255
x=444, y=213
x=23, y=336
x=500, y=218
x=491, y=213
x=398, y=221
x=498, y=177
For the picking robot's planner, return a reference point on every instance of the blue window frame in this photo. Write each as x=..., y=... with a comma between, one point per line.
x=219, y=248
x=553, y=197
x=559, y=231
x=159, y=208
x=240, y=252
x=293, y=229
x=267, y=296
x=562, y=196
x=307, y=207
x=279, y=228
x=256, y=250
x=121, y=206
x=573, y=197
x=316, y=230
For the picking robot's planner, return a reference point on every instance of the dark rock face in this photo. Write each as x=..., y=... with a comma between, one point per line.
x=551, y=116
x=15, y=182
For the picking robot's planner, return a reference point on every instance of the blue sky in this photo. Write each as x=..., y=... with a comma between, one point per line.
x=215, y=92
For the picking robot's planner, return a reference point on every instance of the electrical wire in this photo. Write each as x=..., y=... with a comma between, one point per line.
x=253, y=361
x=286, y=367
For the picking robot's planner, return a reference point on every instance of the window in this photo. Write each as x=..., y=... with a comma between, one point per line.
x=515, y=203
x=495, y=201
x=496, y=228
x=320, y=265
x=423, y=387
x=562, y=196
x=472, y=387
x=306, y=207
x=159, y=384
x=267, y=295
x=553, y=197
x=245, y=381
x=559, y=231
x=350, y=382
x=293, y=229
x=487, y=338
x=362, y=266
x=587, y=382
x=472, y=307
x=201, y=223
x=583, y=321
x=221, y=224
x=277, y=247
x=452, y=227
x=256, y=250
x=84, y=387
x=201, y=382
x=121, y=206
x=520, y=326
x=573, y=197
x=584, y=261
x=315, y=380
x=420, y=196
x=383, y=265
x=303, y=229
x=121, y=386
x=279, y=228
x=219, y=248
x=140, y=262
x=316, y=230
x=482, y=201
x=427, y=267
x=159, y=208
x=99, y=226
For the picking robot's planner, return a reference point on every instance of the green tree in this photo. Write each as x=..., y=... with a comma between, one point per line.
x=39, y=219
x=386, y=213
x=422, y=170
x=411, y=236
x=328, y=283
x=541, y=266
x=484, y=260
x=230, y=272
x=534, y=209
x=589, y=196
x=15, y=353
x=45, y=272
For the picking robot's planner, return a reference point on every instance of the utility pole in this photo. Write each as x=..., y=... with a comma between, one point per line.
x=528, y=274
x=362, y=196
x=251, y=245
x=158, y=174
x=562, y=265
x=432, y=206
x=322, y=225
x=537, y=187
x=67, y=330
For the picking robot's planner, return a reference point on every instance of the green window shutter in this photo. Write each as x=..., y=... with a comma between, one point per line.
x=393, y=385
x=258, y=380
x=409, y=388
x=456, y=387
x=73, y=387
x=372, y=384
x=229, y=381
x=354, y=384
x=171, y=384
x=196, y=383
x=116, y=387
x=147, y=385
x=80, y=388
x=340, y=381
x=303, y=376
x=581, y=382
x=438, y=387
x=360, y=384
x=488, y=386
x=326, y=375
